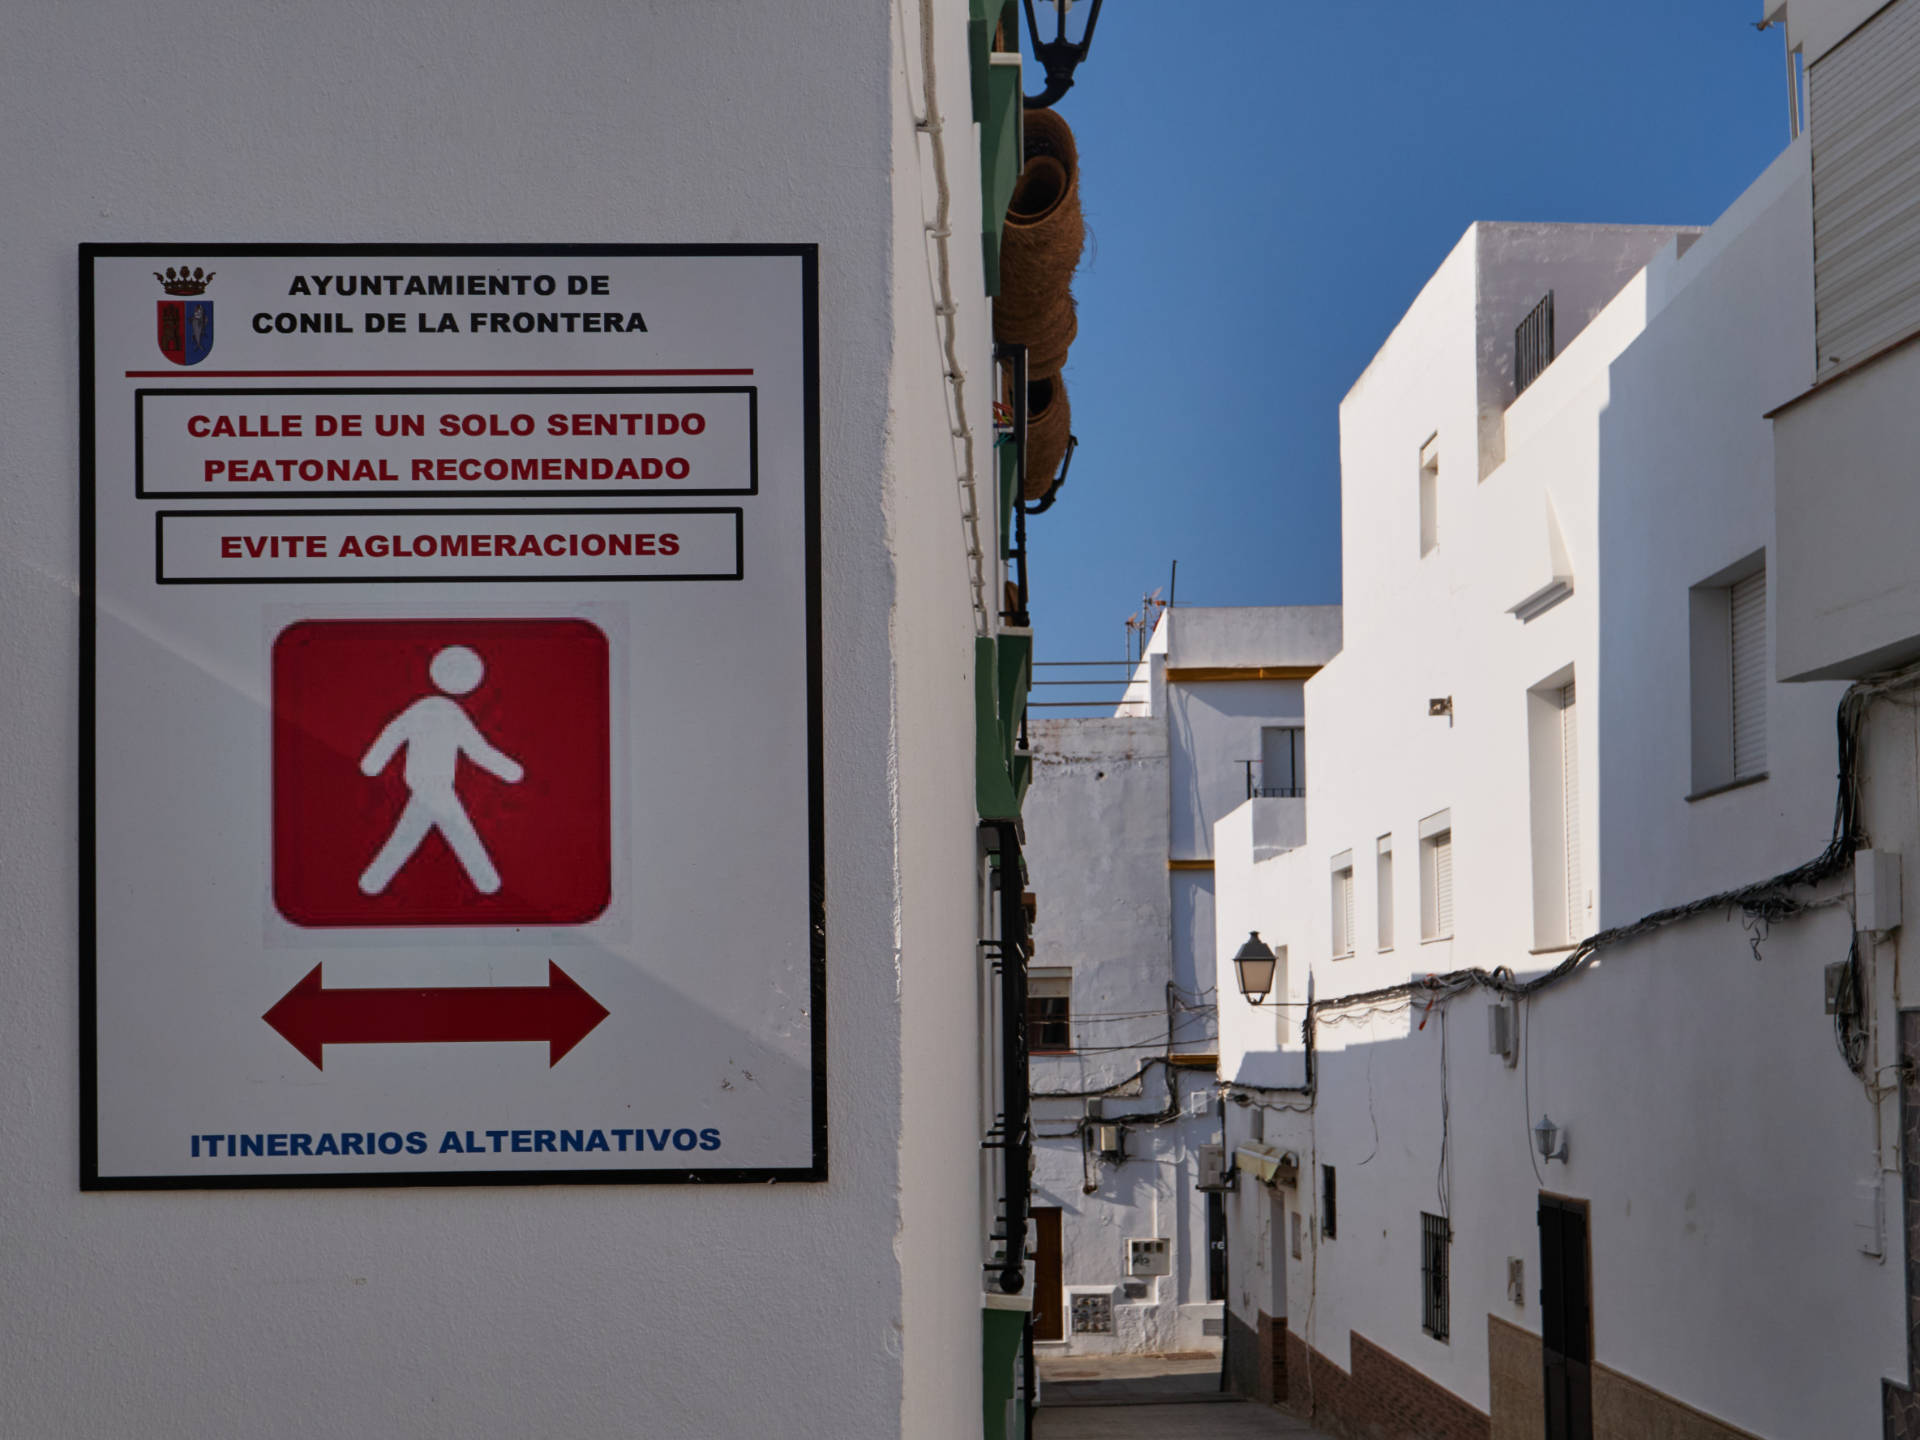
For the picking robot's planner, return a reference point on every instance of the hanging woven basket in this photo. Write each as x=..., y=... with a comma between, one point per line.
x=1041, y=247
x=1049, y=423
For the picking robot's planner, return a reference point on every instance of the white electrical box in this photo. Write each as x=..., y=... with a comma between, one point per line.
x=1149, y=1257
x=1109, y=1140
x=1876, y=890
x=1214, y=1173
x=1502, y=1038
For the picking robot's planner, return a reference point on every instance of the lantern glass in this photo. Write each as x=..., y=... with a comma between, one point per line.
x=1254, y=965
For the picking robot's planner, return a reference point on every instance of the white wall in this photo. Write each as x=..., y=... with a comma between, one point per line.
x=1212, y=726
x=1849, y=598
x=1096, y=823
x=938, y=967
x=582, y=1312
x=1683, y=1069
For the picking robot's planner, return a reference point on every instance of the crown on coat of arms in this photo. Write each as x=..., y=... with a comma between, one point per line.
x=184, y=281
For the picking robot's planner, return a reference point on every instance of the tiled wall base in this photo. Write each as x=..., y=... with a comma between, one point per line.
x=1378, y=1398
x=1257, y=1358
x=1623, y=1408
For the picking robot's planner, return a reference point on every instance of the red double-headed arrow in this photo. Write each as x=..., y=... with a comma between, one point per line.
x=311, y=1017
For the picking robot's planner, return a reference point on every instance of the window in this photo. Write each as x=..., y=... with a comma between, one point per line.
x=1050, y=1011
x=1560, y=897
x=1865, y=221
x=1283, y=760
x=1436, y=876
x=1343, y=903
x=1329, y=1206
x=1281, y=1024
x=1430, y=495
x=1383, y=892
x=1434, y=1239
x=1533, y=344
x=1728, y=623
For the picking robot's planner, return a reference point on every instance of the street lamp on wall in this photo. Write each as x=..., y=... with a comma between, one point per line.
x=1060, y=56
x=1254, y=967
x=1544, y=1136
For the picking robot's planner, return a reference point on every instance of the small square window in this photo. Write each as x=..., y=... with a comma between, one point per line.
x=1050, y=1011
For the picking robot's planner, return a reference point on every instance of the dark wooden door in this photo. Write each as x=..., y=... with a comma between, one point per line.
x=1566, y=1318
x=1216, y=1246
x=1049, y=1312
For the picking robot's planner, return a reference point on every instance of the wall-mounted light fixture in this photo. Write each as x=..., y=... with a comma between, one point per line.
x=1254, y=966
x=1544, y=1136
x=1059, y=56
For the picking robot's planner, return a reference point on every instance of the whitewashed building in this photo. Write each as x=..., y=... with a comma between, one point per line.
x=1493, y=1178
x=1119, y=824
x=871, y=1300
x=1847, y=601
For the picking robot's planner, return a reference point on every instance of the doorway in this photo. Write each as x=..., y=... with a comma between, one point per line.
x=1566, y=1317
x=1216, y=1245
x=1049, y=1314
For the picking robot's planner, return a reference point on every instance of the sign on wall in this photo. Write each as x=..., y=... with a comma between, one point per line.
x=450, y=715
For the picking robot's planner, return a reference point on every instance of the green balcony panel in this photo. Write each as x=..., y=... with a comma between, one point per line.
x=1002, y=1342
x=1002, y=670
x=1001, y=157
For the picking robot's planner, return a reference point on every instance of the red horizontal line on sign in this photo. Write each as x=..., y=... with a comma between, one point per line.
x=304, y=374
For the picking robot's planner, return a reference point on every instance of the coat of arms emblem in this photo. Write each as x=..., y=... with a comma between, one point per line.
x=186, y=323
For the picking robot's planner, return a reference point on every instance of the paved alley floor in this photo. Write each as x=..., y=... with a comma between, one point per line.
x=1150, y=1397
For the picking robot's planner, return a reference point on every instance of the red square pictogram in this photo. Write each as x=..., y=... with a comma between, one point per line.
x=441, y=772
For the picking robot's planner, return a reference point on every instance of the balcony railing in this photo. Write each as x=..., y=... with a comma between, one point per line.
x=1257, y=786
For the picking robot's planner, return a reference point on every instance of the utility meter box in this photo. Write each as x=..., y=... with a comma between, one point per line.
x=1149, y=1257
x=1214, y=1172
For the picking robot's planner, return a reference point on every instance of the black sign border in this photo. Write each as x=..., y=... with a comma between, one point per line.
x=88, y=890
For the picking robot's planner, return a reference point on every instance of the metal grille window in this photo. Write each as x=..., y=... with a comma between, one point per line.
x=1049, y=1011
x=1434, y=1241
x=1329, y=1203
x=1533, y=345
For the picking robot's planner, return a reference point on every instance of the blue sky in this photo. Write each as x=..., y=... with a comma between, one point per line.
x=1267, y=185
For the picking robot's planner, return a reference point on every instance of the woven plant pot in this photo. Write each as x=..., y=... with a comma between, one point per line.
x=1049, y=423
x=1041, y=247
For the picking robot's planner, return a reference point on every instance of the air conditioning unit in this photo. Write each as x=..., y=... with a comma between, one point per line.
x=1215, y=1173
x=1288, y=1171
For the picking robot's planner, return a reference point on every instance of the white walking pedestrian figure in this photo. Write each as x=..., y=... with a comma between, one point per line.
x=437, y=732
